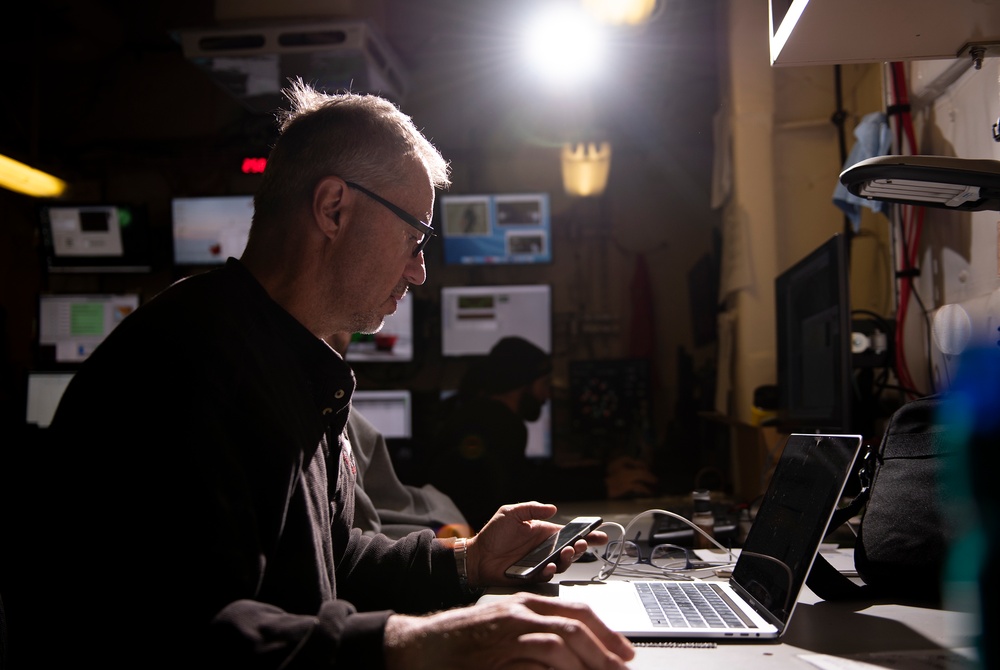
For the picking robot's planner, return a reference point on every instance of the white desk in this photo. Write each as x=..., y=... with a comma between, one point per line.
x=821, y=634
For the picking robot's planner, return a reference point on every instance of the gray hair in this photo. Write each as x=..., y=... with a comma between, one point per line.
x=357, y=137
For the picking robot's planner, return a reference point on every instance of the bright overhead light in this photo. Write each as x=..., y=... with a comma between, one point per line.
x=17, y=176
x=565, y=45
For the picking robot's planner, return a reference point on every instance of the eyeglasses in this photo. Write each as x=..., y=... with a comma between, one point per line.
x=668, y=557
x=423, y=227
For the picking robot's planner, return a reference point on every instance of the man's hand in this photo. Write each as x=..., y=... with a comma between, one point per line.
x=524, y=630
x=512, y=532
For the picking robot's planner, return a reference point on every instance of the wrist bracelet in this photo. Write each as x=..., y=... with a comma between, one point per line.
x=463, y=568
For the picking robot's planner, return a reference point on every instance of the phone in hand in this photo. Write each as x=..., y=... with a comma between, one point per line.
x=547, y=551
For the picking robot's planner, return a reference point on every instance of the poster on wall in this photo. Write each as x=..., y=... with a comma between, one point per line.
x=496, y=229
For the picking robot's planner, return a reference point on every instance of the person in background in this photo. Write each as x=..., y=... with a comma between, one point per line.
x=383, y=504
x=195, y=507
x=480, y=446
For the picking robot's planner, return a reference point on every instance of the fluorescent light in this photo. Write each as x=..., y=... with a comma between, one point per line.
x=17, y=176
x=935, y=181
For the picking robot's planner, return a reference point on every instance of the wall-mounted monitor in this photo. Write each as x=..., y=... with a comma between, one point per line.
x=391, y=412
x=208, y=230
x=73, y=325
x=392, y=344
x=496, y=229
x=815, y=367
x=45, y=389
x=474, y=318
x=95, y=237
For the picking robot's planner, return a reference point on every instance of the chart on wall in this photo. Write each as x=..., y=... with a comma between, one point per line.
x=496, y=229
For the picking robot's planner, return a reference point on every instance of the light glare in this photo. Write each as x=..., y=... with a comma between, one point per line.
x=22, y=178
x=565, y=45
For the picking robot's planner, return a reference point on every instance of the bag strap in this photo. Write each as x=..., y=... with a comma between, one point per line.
x=825, y=580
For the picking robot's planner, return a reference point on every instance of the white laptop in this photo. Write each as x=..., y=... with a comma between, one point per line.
x=774, y=562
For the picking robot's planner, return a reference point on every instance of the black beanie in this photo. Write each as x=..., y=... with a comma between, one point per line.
x=513, y=362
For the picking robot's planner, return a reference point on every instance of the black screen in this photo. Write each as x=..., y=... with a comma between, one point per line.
x=812, y=303
x=803, y=493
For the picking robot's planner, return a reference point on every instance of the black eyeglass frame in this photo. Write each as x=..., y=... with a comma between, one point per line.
x=641, y=559
x=408, y=218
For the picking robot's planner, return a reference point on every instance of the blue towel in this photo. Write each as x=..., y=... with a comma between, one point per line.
x=874, y=138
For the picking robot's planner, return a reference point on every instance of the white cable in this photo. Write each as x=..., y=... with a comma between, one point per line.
x=604, y=572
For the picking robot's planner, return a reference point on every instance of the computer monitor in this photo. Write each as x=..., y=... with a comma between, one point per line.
x=391, y=412
x=812, y=304
x=474, y=318
x=45, y=389
x=208, y=230
x=73, y=325
x=496, y=229
x=392, y=344
x=95, y=237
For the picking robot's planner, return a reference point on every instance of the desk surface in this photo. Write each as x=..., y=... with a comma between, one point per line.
x=825, y=635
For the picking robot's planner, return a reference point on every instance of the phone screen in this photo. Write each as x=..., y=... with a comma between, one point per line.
x=547, y=550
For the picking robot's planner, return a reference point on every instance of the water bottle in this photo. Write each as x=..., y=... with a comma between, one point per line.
x=703, y=517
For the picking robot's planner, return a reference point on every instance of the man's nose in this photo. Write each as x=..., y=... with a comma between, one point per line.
x=415, y=272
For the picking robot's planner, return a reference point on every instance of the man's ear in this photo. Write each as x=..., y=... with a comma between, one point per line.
x=328, y=204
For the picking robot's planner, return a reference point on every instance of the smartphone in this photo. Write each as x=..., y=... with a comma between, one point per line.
x=546, y=552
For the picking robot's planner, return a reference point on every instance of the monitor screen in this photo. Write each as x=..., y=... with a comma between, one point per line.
x=474, y=318
x=95, y=237
x=45, y=389
x=812, y=304
x=392, y=344
x=389, y=411
x=209, y=230
x=496, y=229
x=73, y=325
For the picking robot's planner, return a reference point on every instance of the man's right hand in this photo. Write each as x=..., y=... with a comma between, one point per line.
x=524, y=630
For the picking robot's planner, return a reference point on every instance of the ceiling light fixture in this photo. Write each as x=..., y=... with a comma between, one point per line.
x=933, y=181
x=17, y=176
x=585, y=168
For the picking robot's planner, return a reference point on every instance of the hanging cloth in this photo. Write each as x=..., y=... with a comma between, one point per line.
x=874, y=138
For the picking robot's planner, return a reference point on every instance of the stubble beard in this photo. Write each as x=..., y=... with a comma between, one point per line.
x=371, y=321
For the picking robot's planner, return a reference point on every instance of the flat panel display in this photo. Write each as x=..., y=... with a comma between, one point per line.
x=208, y=230
x=390, y=411
x=75, y=324
x=815, y=367
x=496, y=229
x=95, y=237
x=474, y=318
x=45, y=389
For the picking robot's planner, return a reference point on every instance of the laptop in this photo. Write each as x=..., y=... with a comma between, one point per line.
x=773, y=564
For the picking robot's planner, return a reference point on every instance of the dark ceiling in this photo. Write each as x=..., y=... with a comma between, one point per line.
x=85, y=80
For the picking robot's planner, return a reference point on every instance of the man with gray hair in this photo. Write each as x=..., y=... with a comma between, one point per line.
x=202, y=514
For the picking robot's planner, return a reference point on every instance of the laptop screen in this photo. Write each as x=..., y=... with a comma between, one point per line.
x=792, y=520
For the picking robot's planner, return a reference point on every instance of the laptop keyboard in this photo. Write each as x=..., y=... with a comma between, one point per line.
x=686, y=605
